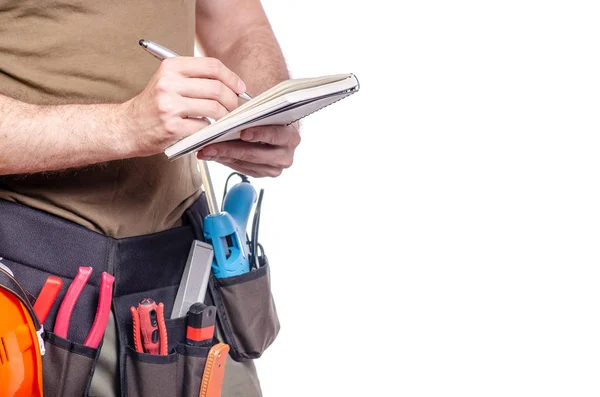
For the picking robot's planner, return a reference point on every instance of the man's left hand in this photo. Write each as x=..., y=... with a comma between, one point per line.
x=262, y=151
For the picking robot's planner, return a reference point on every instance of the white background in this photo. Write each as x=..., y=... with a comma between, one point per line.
x=438, y=234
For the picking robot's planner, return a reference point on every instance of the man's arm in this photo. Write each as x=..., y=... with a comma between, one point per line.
x=46, y=138
x=239, y=34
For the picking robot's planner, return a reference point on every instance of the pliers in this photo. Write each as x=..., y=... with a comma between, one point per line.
x=63, y=318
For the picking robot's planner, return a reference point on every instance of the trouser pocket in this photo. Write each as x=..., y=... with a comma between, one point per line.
x=67, y=366
x=246, y=312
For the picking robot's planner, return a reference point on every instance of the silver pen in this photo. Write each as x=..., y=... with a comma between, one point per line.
x=160, y=53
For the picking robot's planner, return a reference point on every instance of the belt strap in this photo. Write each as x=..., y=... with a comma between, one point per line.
x=54, y=245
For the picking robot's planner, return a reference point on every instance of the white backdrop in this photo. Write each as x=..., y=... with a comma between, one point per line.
x=438, y=234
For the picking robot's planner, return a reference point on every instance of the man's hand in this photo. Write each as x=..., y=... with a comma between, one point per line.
x=245, y=42
x=262, y=151
x=174, y=104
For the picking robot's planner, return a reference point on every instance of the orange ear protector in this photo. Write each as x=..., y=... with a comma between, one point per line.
x=21, y=348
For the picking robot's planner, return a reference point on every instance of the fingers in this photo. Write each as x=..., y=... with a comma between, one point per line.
x=273, y=135
x=186, y=127
x=210, y=68
x=252, y=156
x=208, y=89
x=183, y=88
x=255, y=153
x=192, y=107
x=250, y=169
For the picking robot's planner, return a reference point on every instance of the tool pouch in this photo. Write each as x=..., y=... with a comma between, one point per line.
x=177, y=374
x=67, y=366
x=245, y=308
x=34, y=245
x=246, y=312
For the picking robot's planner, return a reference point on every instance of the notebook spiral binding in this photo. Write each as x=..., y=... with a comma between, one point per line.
x=349, y=91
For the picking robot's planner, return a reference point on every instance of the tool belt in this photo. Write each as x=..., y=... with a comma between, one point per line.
x=35, y=245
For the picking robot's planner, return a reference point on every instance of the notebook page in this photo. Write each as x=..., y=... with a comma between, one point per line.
x=283, y=88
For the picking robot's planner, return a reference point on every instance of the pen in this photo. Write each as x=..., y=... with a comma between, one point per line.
x=160, y=53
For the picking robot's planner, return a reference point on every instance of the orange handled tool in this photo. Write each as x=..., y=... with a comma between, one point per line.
x=46, y=298
x=214, y=371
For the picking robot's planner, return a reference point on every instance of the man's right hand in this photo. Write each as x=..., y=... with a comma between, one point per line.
x=177, y=100
x=171, y=107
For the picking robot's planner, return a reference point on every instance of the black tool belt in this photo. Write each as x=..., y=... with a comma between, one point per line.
x=35, y=244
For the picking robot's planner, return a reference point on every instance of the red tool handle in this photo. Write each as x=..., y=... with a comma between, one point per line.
x=162, y=330
x=104, y=302
x=46, y=298
x=147, y=310
x=61, y=327
x=137, y=343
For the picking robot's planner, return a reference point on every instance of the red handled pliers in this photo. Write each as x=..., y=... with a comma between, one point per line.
x=61, y=326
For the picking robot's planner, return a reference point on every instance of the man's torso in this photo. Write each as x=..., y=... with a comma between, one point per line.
x=68, y=51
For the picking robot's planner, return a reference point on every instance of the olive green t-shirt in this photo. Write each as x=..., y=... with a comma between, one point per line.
x=82, y=51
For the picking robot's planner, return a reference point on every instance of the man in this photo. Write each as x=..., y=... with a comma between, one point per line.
x=85, y=114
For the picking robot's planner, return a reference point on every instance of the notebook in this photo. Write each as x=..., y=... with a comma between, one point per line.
x=283, y=104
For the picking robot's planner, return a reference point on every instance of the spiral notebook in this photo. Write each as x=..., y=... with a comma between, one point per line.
x=283, y=104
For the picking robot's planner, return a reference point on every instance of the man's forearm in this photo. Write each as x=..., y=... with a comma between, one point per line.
x=239, y=34
x=47, y=138
x=246, y=44
x=258, y=60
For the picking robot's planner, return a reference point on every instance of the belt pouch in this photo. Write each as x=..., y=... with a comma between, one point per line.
x=178, y=374
x=245, y=307
x=151, y=267
x=35, y=245
x=67, y=367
